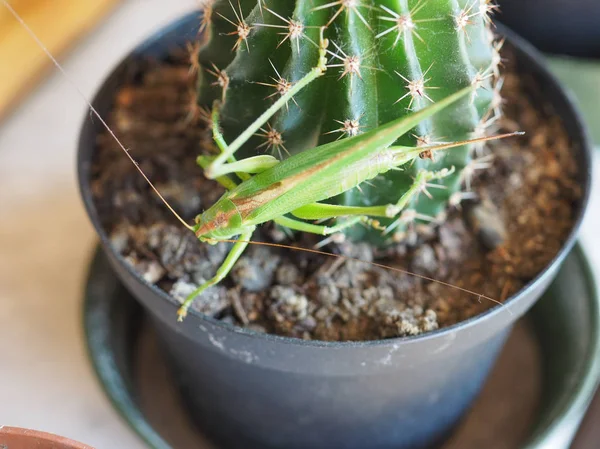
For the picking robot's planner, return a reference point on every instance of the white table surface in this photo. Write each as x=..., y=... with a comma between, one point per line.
x=46, y=381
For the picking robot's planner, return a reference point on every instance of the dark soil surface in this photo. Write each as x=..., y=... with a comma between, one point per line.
x=526, y=194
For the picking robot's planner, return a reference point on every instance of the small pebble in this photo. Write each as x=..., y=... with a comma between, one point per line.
x=153, y=272
x=289, y=303
x=257, y=328
x=408, y=328
x=119, y=240
x=328, y=293
x=250, y=275
x=308, y=323
x=485, y=220
x=424, y=261
x=288, y=274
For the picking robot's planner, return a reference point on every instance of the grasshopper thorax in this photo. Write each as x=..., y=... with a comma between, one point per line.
x=221, y=221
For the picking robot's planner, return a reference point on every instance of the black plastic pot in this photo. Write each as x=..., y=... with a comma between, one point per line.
x=568, y=27
x=251, y=390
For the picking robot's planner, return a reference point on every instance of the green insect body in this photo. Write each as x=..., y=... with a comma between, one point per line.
x=413, y=76
x=316, y=175
x=387, y=59
x=298, y=184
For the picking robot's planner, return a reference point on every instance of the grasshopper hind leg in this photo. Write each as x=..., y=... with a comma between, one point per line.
x=233, y=256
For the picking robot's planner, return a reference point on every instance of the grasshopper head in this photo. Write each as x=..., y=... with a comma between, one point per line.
x=221, y=221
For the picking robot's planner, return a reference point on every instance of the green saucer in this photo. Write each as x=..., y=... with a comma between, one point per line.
x=536, y=396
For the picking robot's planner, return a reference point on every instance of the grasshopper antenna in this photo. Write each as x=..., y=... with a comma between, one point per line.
x=444, y=146
x=92, y=108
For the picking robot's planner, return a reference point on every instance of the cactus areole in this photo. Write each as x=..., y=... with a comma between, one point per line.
x=386, y=59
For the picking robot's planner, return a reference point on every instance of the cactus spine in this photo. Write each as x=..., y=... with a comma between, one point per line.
x=387, y=58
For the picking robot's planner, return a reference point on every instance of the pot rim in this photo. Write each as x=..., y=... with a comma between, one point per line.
x=46, y=437
x=540, y=68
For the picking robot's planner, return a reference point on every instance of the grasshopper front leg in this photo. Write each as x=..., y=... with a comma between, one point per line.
x=217, y=168
x=249, y=166
x=233, y=256
x=242, y=168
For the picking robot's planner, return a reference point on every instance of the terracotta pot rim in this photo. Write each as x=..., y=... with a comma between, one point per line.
x=17, y=435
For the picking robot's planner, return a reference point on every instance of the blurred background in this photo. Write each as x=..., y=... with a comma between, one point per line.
x=45, y=238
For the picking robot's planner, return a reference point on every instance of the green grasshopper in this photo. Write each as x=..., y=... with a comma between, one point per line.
x=271, y=189
x=299, y=184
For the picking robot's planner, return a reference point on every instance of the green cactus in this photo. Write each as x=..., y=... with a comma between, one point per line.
x=386, y=58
